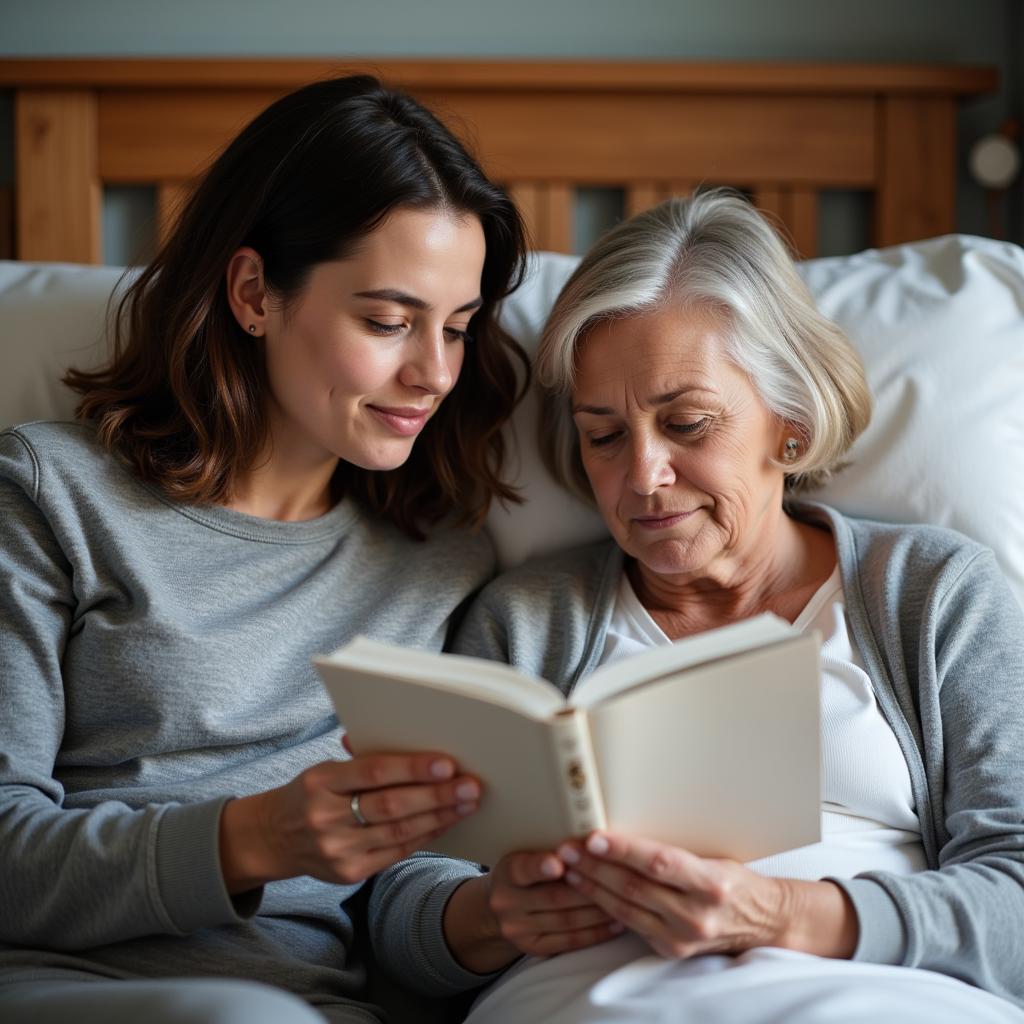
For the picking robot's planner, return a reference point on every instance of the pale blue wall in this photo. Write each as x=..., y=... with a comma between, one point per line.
x=956, y=31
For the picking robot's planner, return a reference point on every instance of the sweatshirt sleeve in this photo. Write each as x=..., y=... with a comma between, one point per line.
x=406, y=919
x=407, y=902
x=76, y=878
x=482, y=632
x=965, y=918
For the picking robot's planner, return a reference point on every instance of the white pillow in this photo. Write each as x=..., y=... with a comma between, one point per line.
x=940, y=326
x=939, y=323
x=52, y=317
x=550, y=517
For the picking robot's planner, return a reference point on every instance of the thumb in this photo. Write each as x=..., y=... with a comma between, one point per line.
x=525, y=869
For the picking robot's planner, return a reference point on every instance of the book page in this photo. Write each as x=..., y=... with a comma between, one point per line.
x=671, y=658
x=514, y=756
x=476, y=677
x=723, y=760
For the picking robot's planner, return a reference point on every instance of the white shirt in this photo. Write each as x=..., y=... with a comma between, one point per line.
x=868, y=818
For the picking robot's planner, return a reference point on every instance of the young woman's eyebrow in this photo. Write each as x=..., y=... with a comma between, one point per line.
x=404, y=299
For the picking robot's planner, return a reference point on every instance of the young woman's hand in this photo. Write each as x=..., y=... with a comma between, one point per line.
x=521, y=906
x=309, y=827
x=684, y=905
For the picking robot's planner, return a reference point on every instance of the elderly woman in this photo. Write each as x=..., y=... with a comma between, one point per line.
x=692, y=390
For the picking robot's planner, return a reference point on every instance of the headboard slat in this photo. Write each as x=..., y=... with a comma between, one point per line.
x=170, y=197
x=917, y=136
x=57, y=183
x=640, y=196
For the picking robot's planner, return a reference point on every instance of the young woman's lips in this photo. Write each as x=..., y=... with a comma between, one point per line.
x=661, y=522
x=404, y=421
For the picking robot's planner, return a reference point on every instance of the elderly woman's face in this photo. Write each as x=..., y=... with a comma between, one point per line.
x=676, y=442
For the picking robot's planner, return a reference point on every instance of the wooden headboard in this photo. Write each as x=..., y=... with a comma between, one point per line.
x=782, y=132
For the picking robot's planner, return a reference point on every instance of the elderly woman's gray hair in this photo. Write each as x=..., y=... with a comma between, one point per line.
x=713, y=253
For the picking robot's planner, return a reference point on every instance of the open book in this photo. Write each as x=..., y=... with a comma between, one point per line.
x=711, y=743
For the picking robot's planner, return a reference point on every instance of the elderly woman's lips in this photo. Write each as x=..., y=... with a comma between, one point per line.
x=661, y=521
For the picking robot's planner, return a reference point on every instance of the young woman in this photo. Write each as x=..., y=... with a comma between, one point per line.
x=299, y=421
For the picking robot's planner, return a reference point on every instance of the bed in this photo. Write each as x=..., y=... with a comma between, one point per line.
x=936, y=316
x=784, y=132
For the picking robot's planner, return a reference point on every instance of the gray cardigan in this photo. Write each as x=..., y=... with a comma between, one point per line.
x=943, y=642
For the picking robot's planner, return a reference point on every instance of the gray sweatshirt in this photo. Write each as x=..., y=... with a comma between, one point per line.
x=154, y=662
x=943, y=642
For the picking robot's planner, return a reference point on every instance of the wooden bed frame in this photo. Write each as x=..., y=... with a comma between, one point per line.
x=783, y=132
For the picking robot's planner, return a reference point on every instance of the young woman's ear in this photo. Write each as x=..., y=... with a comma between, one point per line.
x=246, y=291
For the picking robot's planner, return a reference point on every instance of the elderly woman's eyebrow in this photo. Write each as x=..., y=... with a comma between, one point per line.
x=603, y=410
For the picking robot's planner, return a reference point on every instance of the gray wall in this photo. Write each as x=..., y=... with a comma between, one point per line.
x=955, y=31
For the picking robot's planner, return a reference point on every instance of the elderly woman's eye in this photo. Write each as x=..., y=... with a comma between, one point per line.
x=600, y=440
x=690, y=428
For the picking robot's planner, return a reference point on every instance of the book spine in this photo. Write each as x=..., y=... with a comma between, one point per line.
x=574, y=757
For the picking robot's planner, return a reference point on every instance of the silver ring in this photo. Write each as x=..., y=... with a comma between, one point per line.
x=356, y=813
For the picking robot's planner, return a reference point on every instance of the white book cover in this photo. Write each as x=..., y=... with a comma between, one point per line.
x=711, y=743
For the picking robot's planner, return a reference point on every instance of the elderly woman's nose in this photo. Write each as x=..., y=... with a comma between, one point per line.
x=650, y=466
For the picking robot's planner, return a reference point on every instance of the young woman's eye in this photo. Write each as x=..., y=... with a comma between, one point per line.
x=385, y=329
x=455, y=334
x=690, y=428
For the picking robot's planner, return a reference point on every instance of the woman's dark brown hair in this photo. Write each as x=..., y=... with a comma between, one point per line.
x=183, y=398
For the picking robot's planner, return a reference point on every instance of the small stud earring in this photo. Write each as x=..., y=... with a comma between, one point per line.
x=252, y=328
x=792, y=449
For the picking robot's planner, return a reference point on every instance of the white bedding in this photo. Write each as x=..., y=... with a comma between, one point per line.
x=621, y=981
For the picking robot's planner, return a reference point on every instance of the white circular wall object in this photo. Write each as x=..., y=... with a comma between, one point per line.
x=994, y=161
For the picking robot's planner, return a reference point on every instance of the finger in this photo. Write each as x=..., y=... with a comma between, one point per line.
x=345, y=743
x=393, y=803
x=668, y=865
x=640, y=919
x=411, y=831
x=664, y=900
x=378, y=771
x=565, y=942
x=533, y=868
x=377, y=860
x=552, y=922
x=522, y=902
x=556, y=896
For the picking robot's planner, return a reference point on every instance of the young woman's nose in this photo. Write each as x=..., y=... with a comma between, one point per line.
x=428, y=366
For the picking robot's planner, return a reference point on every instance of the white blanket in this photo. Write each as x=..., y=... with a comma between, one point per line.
x=621, y=981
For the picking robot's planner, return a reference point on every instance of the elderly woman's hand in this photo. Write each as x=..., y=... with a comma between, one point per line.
x=537, y=912
x=521, y=906
x=684, y=905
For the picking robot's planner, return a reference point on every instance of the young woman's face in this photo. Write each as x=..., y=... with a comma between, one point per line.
x=364, y=357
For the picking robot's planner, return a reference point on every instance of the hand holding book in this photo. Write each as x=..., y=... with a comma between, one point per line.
x=710, y=744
